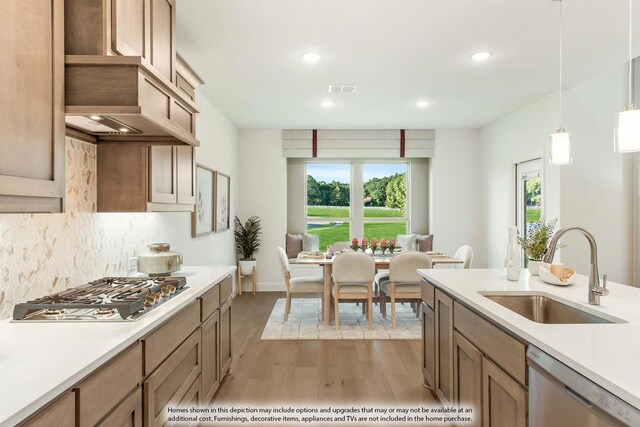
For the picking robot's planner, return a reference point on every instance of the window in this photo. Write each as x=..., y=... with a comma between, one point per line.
x=528, y=195
x=329, y=202
x=380, y=189
x=384, y=199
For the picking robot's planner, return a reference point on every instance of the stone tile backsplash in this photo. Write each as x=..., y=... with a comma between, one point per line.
x=45, y=253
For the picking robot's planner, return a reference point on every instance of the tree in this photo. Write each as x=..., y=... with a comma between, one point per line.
x=533, y=190
x=376, y=189
x=396, y=192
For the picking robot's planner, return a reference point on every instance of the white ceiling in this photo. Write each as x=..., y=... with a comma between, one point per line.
x=396, y=52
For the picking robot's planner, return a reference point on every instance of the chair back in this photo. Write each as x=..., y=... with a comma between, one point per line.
x=465, y=253
x=403, y=267
x=353, y=268
x=284, y=261
x=338, y=246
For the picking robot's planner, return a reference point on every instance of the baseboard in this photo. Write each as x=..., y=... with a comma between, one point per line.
x=264, y=287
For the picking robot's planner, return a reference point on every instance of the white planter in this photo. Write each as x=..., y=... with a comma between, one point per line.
x=246, y=267
x=534, y=267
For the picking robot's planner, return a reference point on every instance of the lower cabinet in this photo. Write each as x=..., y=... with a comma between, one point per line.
x=171, y=383
x=444, y=346
x=467, y=376
x=127, y=414
x=225, y=338
x=210, y=378
x=428, y=344
x=60, y=413
x=504, y=401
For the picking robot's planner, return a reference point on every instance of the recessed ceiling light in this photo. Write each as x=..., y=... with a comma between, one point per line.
x=123, y=130
x=311, y=56
x=327, y=104
x=423, y=103
x=95, y=117
x=481, y=56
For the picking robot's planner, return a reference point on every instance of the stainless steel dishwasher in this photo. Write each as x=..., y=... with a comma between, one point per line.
x=559, y=396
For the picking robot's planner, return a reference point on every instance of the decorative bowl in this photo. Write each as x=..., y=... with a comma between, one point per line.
x=569, y=276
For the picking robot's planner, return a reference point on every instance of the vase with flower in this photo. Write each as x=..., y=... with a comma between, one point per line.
x=354, y=244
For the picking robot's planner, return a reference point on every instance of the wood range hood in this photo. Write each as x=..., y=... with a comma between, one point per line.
x=124, y=99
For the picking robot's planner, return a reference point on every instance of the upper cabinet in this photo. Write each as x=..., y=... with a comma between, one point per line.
x=121, y=82
x=32, y=106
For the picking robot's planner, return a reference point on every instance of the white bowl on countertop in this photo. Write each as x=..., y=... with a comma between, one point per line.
x=548, y=277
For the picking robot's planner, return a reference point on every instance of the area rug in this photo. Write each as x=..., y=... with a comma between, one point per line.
x=305, y=322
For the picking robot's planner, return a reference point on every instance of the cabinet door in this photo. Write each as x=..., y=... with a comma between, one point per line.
x=210, y=331
x=163, y=52
x=225, y=338
x=127, y=414
x=467, y=376
x=162, y=174
x=61, y=413
x=185, y=175
x=504, y=401
x=444, y=346
x=128, y=26
x=32, y=106
x=428, y=344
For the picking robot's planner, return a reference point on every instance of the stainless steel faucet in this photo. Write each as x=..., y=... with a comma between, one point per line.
x=595, y=290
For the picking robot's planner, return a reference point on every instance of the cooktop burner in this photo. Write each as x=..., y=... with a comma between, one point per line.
x=106, y=299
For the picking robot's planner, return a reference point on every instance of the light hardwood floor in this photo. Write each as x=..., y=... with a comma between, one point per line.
x=316, y=371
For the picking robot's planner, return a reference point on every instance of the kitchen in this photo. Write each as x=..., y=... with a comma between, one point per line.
x=107, y=118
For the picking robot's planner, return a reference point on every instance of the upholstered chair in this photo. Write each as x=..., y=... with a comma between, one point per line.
x=353, y=280
x=464, y=253
x=298, y=285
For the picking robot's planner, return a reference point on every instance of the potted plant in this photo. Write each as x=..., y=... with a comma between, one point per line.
x=247, y=243
x=535, y=242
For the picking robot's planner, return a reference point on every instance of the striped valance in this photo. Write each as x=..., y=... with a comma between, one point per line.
x=356, y=143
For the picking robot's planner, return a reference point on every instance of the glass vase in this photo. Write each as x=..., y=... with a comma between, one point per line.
x=513, y=259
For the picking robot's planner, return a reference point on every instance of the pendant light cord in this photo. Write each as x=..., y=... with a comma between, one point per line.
x=561, y=1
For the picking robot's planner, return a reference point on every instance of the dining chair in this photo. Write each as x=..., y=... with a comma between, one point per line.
x=353, y=280
x=464, y=253
x=339, y=246
x=404, y=282
x=298, y=285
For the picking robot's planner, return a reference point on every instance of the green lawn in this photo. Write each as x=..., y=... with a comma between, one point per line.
x=533, y=214
x=384, y=229
x=341, y=233
x=343, y=212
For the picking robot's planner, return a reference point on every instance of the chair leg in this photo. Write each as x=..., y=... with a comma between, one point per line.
x=336, y=304
x=364, y=309
x=377, y=292
x=239, y=281
x=393, y=308
x=370, y=310
x=322, y=308
x=383, y=304
x=287, y=307
x=255, y=280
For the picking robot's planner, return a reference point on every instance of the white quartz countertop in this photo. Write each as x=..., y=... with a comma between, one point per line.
x=607, y=354
x=39, y=361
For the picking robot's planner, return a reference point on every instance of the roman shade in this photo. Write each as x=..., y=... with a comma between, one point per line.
x=357, y=143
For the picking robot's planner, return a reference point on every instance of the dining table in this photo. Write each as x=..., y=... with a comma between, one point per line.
x=381, y=263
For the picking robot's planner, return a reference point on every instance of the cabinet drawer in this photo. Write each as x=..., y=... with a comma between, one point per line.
x=61, y=413
x=226, y=288
x=506, y=351
x=161, y=343
x=428, y=293
x=172, y=381
x=102, y=391
x=127, y=414
x=209, y=303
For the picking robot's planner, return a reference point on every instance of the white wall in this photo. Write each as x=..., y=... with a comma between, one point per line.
x=218, y=150
x=262, y=191
x=456, y=200
x=594, y=192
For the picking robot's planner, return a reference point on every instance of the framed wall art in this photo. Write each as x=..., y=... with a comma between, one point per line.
x=203, y=216
x=223, y=204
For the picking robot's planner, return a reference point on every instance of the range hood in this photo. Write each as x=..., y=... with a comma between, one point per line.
x=124, y=99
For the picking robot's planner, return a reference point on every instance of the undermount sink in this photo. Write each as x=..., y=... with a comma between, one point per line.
x=542, y=309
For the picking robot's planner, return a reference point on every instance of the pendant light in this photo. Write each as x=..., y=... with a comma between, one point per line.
x=627, y=123
x=560, y=141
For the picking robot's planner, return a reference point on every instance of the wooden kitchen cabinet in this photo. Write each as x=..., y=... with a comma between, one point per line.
x=163, y=51
x=225, y=338
x=32, y=151
x=210, y=377
x=173, y=382
x=60, y=413
x=504, y=401
x=138, y=178
x=127, y=414
x=444, y=346
x=428, y=344
x=467, y=375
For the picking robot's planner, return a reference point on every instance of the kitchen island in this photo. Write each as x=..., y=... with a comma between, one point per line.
x=43, y=362
x=471, y=329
